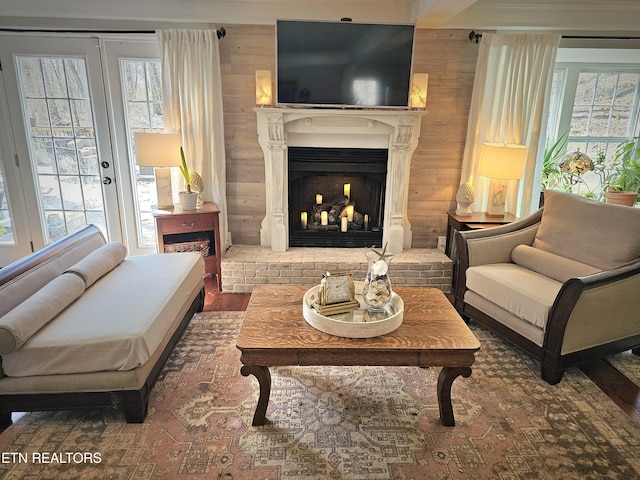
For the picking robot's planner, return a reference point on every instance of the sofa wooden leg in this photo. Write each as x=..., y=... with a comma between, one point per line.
x=135, y=405
x=636, y=351
x=201, y=298
x=552, y=377
x=5, y=420
x=136, y=413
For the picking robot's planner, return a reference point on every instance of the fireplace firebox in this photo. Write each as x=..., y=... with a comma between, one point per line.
x=336, y=196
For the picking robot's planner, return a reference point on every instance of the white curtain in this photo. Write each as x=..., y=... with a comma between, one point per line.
x=192, y=98
x=510, y=97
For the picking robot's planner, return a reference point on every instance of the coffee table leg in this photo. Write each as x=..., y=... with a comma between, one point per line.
x=445, y=380
x=264, y=379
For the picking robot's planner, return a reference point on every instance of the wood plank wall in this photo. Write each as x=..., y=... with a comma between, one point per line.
x=446, y=55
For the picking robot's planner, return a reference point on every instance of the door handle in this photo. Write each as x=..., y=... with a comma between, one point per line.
x=107, y=180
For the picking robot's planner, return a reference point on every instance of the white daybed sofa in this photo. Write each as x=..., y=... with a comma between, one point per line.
x=84, y=325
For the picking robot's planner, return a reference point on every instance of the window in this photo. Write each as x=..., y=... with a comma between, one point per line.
x=6, y=226
x=596, y=107
x=142, y=87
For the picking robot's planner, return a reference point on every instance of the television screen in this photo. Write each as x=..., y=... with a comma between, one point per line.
x=343, y=64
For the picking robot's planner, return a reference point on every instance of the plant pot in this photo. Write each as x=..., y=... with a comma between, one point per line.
x=622, y=198
x=188, y=200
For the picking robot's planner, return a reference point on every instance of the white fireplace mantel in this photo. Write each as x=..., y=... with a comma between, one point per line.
x=396, y=130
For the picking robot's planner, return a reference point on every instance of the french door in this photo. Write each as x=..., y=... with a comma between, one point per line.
x=68, y=110
x=61, y=133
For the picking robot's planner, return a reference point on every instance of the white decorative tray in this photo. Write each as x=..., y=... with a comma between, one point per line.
x=359, y=323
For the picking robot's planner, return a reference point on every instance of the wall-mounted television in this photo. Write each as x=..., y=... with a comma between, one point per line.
x=344, y=64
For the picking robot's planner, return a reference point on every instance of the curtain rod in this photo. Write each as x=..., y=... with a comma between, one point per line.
x=477, y=36
x=221, y=32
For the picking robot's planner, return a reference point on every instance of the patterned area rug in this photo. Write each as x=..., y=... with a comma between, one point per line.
x=355, y=423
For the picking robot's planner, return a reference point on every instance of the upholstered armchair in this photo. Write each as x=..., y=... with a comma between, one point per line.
x=562, y=284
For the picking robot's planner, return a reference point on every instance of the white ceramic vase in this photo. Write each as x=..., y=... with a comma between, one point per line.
x=188, y=200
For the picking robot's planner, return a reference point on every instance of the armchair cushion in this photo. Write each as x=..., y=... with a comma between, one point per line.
x=524, y=293
x=580, y=229
x=554, y=266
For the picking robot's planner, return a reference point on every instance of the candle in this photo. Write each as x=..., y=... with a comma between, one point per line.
x=343, y=225
x=350, y=213
x=347, y=190
x=324, y=218
x=318, y=199
x=303, y=220
x=366, y=221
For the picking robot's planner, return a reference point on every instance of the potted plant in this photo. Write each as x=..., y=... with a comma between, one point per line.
x=188, y=198
x=552, y=175
x=623, y=184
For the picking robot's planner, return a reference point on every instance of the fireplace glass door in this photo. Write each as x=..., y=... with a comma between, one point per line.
x=336, y=196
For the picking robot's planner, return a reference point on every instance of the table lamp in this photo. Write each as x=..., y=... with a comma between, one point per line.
x=419, y=86
x=161, y=151
x=264, y=94
x=501, y=162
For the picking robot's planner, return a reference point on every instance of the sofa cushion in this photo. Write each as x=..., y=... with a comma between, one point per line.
x=554, y=266
x=22, y=287
x=524, y=293
x=99, y=262
x=117, y=323
x=587, y=231
x=19, y=324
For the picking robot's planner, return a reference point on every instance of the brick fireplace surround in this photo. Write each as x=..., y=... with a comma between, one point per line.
x=273, y=261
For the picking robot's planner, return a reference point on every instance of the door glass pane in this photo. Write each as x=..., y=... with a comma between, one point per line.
x=142, y=87
x=62, y=145
x=6, y=225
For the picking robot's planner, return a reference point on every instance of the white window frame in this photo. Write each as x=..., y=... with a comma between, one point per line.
x=569, y=64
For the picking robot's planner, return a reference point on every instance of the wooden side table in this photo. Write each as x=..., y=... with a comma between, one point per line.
x=475, y=221
x=180, y=226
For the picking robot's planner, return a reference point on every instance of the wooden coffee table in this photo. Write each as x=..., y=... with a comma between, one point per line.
x=432, y=334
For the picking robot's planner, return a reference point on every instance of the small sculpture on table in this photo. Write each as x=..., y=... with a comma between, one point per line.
x=197, y=185
x=465, y=198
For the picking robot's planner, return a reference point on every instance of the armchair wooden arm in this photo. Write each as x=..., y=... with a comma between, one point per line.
x=592, y=316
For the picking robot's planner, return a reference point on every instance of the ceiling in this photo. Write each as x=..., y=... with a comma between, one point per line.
x=619, y=16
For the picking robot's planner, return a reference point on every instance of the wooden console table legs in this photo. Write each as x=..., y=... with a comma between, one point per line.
x=445, y=380
x=264, y=379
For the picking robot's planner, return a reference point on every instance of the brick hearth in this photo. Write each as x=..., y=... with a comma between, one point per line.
x=244, y=267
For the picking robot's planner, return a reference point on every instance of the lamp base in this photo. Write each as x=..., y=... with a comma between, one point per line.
x=163, y=187
x=497, y=198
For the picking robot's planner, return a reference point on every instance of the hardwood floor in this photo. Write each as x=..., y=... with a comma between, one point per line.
x=216, y=301
x=619, y=388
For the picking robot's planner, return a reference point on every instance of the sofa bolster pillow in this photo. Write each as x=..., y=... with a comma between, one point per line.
x=99, y=262
x=19, y=324
x=551, y=265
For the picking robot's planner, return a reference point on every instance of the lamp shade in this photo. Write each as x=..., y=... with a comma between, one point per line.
x=158, y=149
x=504, y=161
